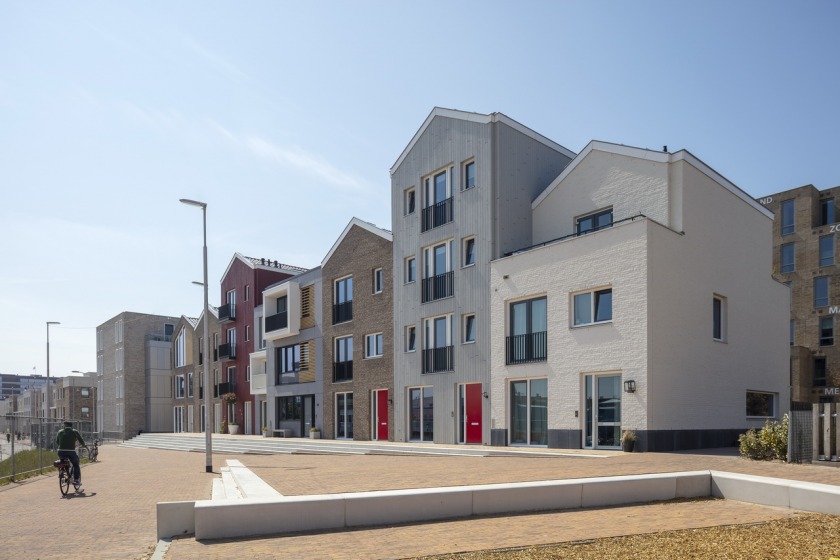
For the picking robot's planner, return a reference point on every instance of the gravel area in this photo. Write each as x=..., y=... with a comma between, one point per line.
x=806, y=536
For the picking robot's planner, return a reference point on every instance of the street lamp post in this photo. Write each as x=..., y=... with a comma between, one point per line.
x=49, y=387
x=208, y=409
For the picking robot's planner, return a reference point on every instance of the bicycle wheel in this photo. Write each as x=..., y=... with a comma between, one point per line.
x=92, y=454
x=64, y=480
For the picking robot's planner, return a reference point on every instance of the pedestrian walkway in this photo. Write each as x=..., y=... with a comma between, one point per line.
x=116, y=517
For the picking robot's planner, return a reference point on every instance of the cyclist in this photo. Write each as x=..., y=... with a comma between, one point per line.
x=66, y=440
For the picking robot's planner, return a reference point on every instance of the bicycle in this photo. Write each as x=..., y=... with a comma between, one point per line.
x=93, y=452
x=65, y=473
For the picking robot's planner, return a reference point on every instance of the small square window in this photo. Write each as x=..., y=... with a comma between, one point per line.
x=469, y=251
x=373, y=345
x=377, y=281
x=469, y=175
x=469, y=328
x=410, y=338
x=592, y=307
x=761, y=405
x=410, y=201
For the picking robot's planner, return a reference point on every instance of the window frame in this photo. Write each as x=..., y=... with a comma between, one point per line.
x=410, y=342
x=787, y=216
x=787, y=249
x=378, y=281
x=826, y=339
x=774, y=405
x=465, y=171
x=467, y=242
x=378, y=341
x=465, y=323
x=594, y=216
x=410, y=270
x=410, y=201
x=595, y=296
x=720, y=318
x=829, y=260
x=827, y=211
x=822, y=301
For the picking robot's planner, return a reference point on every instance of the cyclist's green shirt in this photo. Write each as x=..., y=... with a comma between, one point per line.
x=66, y=439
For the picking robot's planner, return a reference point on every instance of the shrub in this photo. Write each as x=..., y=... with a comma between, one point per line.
x=768, y=443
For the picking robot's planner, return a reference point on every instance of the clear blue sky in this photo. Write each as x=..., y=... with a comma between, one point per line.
x=286, y=117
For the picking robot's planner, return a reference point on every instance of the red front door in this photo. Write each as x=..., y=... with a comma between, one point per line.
x=382, y=415
x=472, y=416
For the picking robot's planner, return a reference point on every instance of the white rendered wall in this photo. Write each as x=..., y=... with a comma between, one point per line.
x=613, y=257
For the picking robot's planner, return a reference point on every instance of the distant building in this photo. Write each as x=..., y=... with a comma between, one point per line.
x=16, y=384
x=133, y=374
x=805, y=258
x=74, y=398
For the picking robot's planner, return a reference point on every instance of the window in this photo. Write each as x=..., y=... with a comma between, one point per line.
x=437, y=199
x=469, y=251
x=820, y=291
x=437, y=353
x=248, y=373
x=377, y=281
x=827, y=250
x=594, y=222
x=438, y=278
x=85, y=412
x=179, y=387
x=792, y=325
x=344, y=415
x=343, y=360
x=593, y=307
x=215, y=347
x=787, y=217
x=247, y=292
x=469, y=175
x=288, y=363
x=409, y=201
x=85, y=392
x=819, y=372
x=787, y=257
x=181, y=348
x=826, y=211
x=410, y=338
x=343, y=302
x=410, y=270
x=469, y=328
x=827, y=331
x=421, y=406
x=373, y=345
x=719, y=318
x=761, y=405
x=528, y=331
x=529, y=412
x=247, y=332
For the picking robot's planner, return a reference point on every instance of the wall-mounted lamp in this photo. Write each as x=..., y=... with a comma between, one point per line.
x=486, y=396
x=629, y=386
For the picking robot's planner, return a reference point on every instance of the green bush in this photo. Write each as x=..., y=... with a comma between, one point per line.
x=768, y=443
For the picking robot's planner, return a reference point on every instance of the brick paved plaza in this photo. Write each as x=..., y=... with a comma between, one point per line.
x=116, y=516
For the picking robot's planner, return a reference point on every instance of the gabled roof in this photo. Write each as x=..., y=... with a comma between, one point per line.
x=263, y=264
x=383, y=233
x=478, y=118
x=214, y=311
x=651, y=155
x=192, y=321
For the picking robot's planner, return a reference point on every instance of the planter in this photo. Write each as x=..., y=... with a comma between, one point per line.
x=628, y=446
x=315, y=435
x=233, y=429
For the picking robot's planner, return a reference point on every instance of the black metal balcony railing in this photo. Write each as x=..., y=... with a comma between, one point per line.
x=342, y=371
x=227, y=351
x=436, y=360
x=342, y=312
x=222, y=388
x=227, y=312
x=438, y=287
x=277, y=322
x=437, y=214
x=201, y=393
x=525, y=348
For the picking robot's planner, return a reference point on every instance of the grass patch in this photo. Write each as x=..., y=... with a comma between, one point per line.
x=26, y=464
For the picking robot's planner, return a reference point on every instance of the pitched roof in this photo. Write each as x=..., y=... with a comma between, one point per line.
x=479, y=118
x=383, y=233
x=263, y=264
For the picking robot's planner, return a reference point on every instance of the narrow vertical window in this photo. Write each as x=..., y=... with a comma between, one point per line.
x=821, y=291
x=410, y=201
x=719, y=318
x=786, y=255
x=469, y=328
x=827, y=331
x=469, y=175
x=826, y=211
x=826, y=250
x=410, y=338
x=787, y=217
x=410, y=270
x=377, y=281
x=469, y=251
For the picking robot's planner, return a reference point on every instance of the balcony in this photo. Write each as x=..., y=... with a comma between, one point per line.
x=342, y=312
x=227, y=351
x=277, y=322
x=438, y=287
x=437, y=360
x=227, y=313
x=342, y=371
x=222, y=388
x=526, y=348
x=437, y=214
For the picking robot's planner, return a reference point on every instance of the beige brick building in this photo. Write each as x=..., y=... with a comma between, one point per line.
x=805, y=234
x=358, y=334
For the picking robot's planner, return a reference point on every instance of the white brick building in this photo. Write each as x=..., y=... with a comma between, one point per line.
x=650, y=270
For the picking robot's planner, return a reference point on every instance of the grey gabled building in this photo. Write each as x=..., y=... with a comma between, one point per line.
x=461, y=195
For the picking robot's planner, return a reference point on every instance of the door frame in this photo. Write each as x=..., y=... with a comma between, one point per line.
x=468, y=395
x=378, y=421
x=593, y=414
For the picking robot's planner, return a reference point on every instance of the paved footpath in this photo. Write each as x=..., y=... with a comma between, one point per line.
x=116, y=516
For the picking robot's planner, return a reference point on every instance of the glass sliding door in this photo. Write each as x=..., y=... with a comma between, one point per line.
x=602, y=418
x=344, y=415
x=529, y=412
